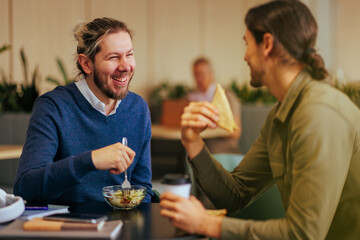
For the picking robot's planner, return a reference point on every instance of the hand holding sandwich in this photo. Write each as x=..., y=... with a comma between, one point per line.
x=196, y=118
x=200, y=115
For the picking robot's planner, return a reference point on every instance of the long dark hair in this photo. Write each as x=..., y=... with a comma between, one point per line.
x=293, y=28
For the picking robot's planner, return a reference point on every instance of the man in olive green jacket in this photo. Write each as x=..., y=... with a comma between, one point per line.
x=309, y=145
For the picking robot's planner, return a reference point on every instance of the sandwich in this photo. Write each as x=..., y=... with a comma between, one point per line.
x=216, y=212
x=226, y=116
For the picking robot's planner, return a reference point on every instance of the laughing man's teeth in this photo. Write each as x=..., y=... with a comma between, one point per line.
x=120, y=79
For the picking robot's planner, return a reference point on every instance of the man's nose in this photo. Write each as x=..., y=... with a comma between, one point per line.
x=124, y=66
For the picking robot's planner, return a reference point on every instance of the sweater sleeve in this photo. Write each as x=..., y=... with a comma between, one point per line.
x=142, y=171
x=40, y=177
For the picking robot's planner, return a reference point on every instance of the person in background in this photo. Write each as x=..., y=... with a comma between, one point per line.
x=309, y=145
x=72, y=147
x=205, y=91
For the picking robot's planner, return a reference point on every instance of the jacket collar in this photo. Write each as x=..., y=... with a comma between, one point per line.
x=292, y=95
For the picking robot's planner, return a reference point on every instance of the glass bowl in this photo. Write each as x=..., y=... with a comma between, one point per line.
x=115, y=197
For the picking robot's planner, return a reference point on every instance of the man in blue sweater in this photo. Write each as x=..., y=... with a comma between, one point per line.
x=72, y=147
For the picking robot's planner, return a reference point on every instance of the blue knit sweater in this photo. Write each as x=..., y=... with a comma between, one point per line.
x=56, y=164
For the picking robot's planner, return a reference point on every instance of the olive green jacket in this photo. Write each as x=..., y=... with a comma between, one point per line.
x=310, y=147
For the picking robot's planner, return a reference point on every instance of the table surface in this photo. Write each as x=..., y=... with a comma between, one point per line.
x=158, y=132
x=144, y=222
x=174, y=133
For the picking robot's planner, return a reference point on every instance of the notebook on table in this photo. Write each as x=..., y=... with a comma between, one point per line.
x=52, y=209
x=110, y=230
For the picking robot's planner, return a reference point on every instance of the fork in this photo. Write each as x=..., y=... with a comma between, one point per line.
x=126, y=184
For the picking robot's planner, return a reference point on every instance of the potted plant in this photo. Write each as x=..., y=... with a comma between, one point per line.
x=16, y=102
x=352, y=90
x=19, y=97
x=252, y=95
x=167, y=103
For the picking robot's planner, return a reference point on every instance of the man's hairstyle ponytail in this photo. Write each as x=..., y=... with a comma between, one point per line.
x=294, y=29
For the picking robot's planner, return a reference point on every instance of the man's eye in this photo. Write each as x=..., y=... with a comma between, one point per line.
x=114, y=57
x=130, y=54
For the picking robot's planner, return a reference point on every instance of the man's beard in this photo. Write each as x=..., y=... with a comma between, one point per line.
x=107, y=91
x=257, y=78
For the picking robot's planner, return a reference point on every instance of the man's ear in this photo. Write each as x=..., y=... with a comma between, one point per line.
x=268, y=44
x=85, y=63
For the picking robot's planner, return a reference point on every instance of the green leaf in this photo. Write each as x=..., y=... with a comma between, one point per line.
x=4, y=48
x=53, y=80
x=66, y=79
x=35, y=76
x=24, y=65
x=62, y=70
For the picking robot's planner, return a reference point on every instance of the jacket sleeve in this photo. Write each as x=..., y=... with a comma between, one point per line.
x=235, y=190
x=319, y=137
x=39, y=176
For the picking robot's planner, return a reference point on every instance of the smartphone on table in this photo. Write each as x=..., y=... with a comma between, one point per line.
x=77, y=217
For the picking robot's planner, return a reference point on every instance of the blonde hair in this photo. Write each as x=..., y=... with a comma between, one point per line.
x=89, y=36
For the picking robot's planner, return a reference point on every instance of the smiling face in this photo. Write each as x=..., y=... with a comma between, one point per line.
x=114, y=66
x=254, y=59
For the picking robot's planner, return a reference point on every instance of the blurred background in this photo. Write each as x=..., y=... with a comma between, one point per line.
x=37, y=53
x=169, y=34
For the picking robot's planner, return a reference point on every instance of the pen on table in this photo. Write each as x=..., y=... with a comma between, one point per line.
x=35, y=206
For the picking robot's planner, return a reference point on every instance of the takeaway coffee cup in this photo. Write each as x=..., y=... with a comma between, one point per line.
x=178, y=184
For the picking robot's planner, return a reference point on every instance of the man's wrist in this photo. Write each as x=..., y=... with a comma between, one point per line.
x=193, y=148
x=94, y=158
x=211, y=226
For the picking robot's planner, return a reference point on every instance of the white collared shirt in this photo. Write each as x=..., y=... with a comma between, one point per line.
x=92, y=99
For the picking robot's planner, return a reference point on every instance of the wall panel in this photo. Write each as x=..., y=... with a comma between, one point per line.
x=176, y=39
x=44, y=29
x=348, y=38
x=169, y=34
x=225, y=45
x=4, y=35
